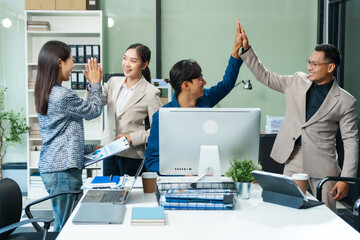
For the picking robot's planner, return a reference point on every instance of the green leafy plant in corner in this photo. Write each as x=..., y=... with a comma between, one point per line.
x=240, y=171
x=12, y=126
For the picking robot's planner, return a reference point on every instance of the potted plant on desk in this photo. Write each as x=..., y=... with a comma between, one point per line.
x=240, y=173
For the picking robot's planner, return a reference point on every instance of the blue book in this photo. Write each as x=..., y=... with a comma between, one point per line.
x=148, y=216
x=104, y=181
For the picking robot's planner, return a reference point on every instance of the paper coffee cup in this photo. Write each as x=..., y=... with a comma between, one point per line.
x=149, y=181
x=302, y=180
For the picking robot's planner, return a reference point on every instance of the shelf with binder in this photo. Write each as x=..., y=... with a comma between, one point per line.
x=84, y=28
x=165, y=89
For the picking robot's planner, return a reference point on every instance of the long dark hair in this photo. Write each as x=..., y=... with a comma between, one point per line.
x=144, y=54
x=47, y=72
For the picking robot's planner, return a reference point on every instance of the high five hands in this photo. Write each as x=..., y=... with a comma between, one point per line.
x=93, y=71
x=244, y=39
x=240, y=40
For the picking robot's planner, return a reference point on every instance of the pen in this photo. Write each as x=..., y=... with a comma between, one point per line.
x=110, y=177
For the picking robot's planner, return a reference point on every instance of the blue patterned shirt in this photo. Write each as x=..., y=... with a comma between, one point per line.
x=62, y=129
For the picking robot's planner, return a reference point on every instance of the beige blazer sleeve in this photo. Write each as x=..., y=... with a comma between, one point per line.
x=274, y=81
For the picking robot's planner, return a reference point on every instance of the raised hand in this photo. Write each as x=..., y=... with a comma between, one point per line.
x=93, y=71
x=238, y=40
x=245, y=41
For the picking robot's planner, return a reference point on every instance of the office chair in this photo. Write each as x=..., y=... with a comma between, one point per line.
x=355, y=213
x=110, y=75
x=11, y=208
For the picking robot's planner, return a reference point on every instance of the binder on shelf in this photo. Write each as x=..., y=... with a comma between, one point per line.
x=74, y=52
x=92, y=5
x=81, y=80
x=96, y=52
x=148, y=216
x=88, y=52
x=86, y=83
x=74, y=80
x=81, y=54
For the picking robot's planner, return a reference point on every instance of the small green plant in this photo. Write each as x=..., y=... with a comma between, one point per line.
x=12, y=126
x=240, y=171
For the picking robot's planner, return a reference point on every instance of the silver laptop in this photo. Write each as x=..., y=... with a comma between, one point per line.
x=118, y=196
x=105, y=206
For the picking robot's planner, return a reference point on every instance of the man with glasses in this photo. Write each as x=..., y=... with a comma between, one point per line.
x=315, y=109
x=188, y=83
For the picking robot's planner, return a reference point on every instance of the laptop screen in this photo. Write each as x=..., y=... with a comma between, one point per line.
x=278, y=183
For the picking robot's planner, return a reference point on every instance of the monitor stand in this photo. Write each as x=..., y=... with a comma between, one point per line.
x=209, y=164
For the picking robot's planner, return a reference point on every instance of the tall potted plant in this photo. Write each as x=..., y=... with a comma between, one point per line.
x=12, y=126
x=240, y=173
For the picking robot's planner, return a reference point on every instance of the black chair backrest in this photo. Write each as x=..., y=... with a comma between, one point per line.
x=10, y=204
x=110, y=75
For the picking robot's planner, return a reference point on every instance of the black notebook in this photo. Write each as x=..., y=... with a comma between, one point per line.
x=281, y=189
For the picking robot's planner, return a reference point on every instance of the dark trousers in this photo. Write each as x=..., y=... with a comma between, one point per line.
x=117, y=165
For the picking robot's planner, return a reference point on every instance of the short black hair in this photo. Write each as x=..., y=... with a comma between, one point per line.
x=184, y=70
x=331, y=53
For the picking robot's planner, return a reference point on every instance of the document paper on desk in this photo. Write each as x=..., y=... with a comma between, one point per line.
x=107, y=151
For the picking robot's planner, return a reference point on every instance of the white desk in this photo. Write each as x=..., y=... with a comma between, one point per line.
x=252, y=219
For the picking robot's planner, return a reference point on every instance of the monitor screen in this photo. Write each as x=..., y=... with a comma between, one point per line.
x=183, y=132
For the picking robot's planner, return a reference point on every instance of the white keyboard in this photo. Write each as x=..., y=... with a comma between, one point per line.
x=177, y=179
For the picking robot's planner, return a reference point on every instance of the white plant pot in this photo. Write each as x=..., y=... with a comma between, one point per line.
x=34, y=159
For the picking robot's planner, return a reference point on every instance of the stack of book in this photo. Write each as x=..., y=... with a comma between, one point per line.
x=197, y=197
x=105, y=181
x=38, y=26
x=31, y=84
x=34, y=131
x=148, y=216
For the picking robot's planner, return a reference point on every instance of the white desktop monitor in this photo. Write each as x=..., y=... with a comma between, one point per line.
x=218, y=133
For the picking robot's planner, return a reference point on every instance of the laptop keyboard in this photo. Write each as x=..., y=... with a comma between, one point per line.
x=112, y=196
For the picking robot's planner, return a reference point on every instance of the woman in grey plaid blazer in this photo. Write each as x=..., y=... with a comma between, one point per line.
x=61, y=112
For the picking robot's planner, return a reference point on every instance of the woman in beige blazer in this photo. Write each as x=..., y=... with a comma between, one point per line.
x=130, y=100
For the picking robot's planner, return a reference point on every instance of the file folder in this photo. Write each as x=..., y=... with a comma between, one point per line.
x=81, y=80
x=96, y=52
x=74, y=81
x=92, y=5
x=81, y=54
x=74, y=52
x=88, y=52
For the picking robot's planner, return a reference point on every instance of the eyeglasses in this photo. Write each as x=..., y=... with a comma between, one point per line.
x=314, y=64
x=201, y=79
